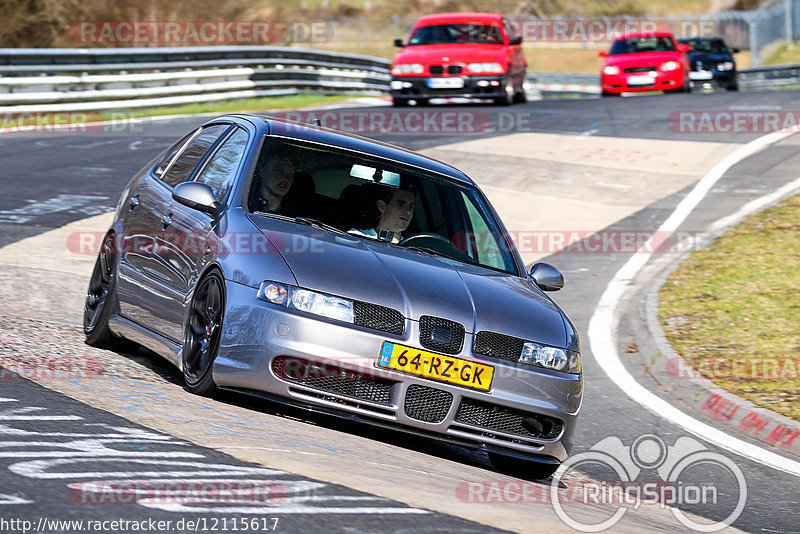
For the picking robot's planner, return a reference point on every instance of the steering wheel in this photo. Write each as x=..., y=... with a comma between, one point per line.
x=410, y=239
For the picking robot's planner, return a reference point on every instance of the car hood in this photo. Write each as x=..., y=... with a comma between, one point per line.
x=642, y=59
x=416, y=283
x=455, y=53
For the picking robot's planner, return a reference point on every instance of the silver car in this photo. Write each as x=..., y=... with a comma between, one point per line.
x=331, y=271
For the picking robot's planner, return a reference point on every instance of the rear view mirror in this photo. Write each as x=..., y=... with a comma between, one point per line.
x=547, y=277
x=515, y=40
x=399, y=43
x=602, y=53
x=684, y=48
x=196, y=195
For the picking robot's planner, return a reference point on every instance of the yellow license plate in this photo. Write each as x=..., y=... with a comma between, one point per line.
x=436, y=366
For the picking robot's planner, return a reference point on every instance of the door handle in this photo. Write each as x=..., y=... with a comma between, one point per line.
x=133, y=203
x=166, y=220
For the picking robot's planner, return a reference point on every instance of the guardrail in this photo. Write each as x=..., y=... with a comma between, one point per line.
x=51, y=80
x=45, y=80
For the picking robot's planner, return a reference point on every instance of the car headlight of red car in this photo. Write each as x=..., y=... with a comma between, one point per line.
x=486, y=68
x=611, y=70
x=670, y=66
x=408, y=68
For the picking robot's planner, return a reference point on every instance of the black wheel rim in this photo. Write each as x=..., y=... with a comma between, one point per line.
x=99, y=286
x=202, y=329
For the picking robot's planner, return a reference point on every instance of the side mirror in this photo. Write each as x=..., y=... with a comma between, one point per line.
x=603, y=53
x=735, y=50
x=515, y=40
x=399, y=43
x=196, y=195
x=547, y=277
x=684, y=48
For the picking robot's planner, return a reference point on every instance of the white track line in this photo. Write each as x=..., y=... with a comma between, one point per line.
x=605, y=321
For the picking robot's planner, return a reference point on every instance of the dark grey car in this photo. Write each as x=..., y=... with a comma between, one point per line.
x=442, y=333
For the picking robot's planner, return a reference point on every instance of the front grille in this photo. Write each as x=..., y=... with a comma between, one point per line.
x=333, y=379
x=498, y=345
x=501, y=419
x=454, y=69
x=640, y=69
x=427, y=326
x=436, y=69
x=427, y=404
x=378, y=318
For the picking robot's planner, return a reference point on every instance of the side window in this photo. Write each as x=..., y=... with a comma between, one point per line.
x=191, y=155
x=221, y=168
x=164, y=163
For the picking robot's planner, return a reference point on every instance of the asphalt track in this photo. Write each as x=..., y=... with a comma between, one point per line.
x=57, y=178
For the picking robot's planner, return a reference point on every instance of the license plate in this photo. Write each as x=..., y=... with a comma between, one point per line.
x=445, y=83
x=640, y=80
x=436, y=366
x=700, y=75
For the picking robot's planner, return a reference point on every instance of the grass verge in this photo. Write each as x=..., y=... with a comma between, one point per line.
x=732, y=310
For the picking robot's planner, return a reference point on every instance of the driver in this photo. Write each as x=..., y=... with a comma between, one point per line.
x=396, y=209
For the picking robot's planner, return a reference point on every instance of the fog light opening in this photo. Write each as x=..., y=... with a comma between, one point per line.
x=533, y=425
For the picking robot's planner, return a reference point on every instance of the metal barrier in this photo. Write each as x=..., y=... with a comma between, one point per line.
x=62, y=80
x=42, y=80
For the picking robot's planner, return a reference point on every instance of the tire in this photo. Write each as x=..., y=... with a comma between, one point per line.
x=102, y=302
x=520, y=97
x=508, y=97
x=421, y=102
x=202, y=334
x=400, y=102
x=732, y=86
x=608, y=93
x=520, y=468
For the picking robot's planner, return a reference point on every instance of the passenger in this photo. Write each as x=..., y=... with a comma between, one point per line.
x=396, y=210
x=277, y=176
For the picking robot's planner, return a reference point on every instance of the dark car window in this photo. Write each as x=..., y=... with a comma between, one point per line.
x=456, y=33
x=707, y=46
x=164, y=163
x=342, y=189
x=191, y=154
x=221, y=169
x=635, y=45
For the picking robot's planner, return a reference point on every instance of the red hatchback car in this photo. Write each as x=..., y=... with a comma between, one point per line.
x=645, y=62
x=473, y=55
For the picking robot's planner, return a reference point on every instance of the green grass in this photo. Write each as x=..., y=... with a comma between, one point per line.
x=732, y=310
x=783, y=54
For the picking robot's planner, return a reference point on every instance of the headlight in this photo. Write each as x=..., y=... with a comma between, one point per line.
x=485, y=68
x=407, y=68
x=308, y=301
x=568, y=361
x=611, y=70
x=728, y=65
x=670, y=65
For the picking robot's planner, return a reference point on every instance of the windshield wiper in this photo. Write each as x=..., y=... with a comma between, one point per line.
x=319, y=224
x=462, y=259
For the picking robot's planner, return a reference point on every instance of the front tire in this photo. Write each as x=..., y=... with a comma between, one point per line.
x=508, y=94
x=520, y=468
x=102, y=301
x=202, y=334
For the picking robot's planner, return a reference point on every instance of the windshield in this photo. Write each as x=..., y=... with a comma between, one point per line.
x=456, y=33
x=635, y=45
x=378, y=200
x=707, y=46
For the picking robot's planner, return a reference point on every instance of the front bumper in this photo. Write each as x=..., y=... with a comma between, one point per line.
x=414, y=87
x=628, y=82
x=258, y=336
x=719, y=77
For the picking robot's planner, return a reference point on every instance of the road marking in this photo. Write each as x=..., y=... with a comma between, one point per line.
x=45, y=207
x=604, y=320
